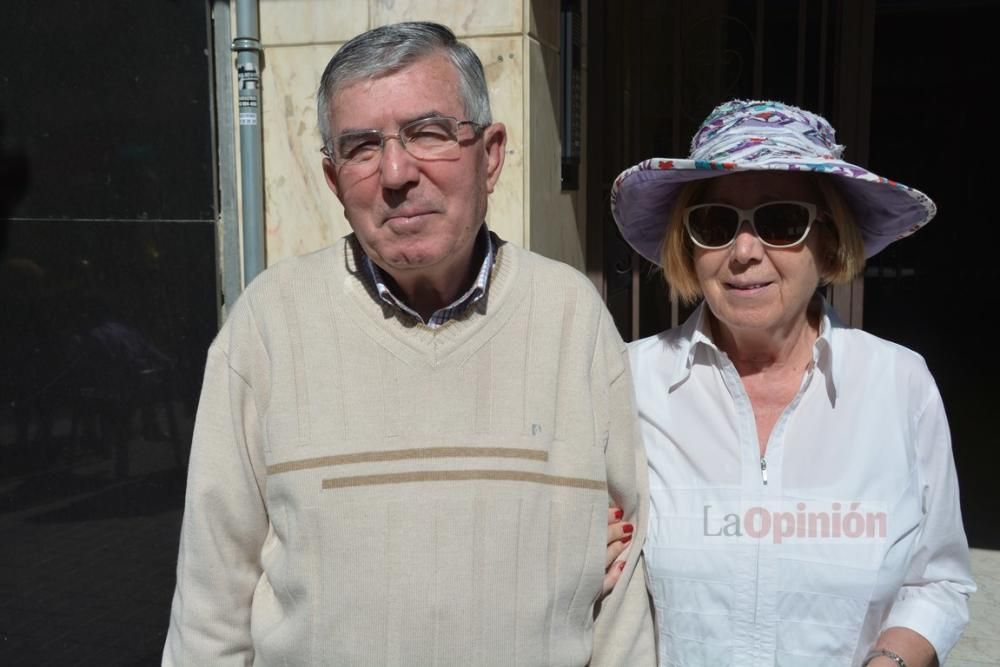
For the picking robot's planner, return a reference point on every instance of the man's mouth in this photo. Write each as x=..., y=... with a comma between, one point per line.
x=406, y=217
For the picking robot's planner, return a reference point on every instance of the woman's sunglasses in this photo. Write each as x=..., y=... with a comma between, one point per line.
x=778, y=224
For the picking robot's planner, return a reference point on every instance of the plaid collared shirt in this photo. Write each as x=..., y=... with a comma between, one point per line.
x=476, y=292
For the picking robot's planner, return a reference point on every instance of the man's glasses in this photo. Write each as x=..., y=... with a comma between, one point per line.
x=778, y=224
x=434, y=138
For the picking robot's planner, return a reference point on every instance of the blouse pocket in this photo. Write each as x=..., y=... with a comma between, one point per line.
x=835, y=589
x=824, y=589
x=694, y=594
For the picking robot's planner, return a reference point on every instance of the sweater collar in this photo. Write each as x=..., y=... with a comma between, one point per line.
x=485, y=245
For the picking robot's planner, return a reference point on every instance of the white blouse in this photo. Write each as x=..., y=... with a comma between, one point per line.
x=849, y=524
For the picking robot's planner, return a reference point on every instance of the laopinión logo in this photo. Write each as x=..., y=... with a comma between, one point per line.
x=796, y=521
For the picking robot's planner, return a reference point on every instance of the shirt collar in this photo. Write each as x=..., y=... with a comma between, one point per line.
x=471, y=296
x=823, y=355
x=696, y=332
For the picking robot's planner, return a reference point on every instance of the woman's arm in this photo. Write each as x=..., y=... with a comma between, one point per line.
x=911, y=646
x=931, y=608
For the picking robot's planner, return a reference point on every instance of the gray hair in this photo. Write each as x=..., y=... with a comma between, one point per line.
x=390, y=48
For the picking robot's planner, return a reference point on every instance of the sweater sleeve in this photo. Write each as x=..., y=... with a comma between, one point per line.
x=933, y=600
x=623, y=629
x=225, y=521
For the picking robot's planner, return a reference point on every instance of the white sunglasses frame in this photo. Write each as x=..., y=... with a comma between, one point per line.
x=747, y=215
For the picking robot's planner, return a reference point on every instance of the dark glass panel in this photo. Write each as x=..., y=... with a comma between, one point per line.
x=109, y=101
x=105, y=330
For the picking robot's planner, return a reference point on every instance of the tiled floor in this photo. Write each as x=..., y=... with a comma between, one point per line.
x=87, y=567
x=980, y=645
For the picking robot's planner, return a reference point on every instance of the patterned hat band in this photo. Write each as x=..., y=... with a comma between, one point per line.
x=737, y=130
x=757, y=135
x=742, y=117
x=755, y=146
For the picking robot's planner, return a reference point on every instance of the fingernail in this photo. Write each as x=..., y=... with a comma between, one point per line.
x=626, y=539
x=619, y=514
x=627, y=528
x=621, y=566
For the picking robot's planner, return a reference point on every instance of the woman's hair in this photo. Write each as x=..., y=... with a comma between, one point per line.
x=841, y=248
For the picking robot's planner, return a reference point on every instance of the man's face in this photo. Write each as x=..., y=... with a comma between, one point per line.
x=414, y=217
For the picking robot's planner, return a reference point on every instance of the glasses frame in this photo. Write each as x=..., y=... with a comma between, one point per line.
x=747, y=215
x=329, y=152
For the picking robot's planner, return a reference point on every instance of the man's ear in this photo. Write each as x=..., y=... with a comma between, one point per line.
x=330, y=173
x=495, y=143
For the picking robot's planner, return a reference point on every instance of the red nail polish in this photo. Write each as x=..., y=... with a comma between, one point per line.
x=626, y=539
x=621, y=566
x=619, y=514
x=627, y=528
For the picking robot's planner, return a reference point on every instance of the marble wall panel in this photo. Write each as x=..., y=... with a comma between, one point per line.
x=503, y=61
x=557, y=219
x=466, y=17
x=301, y=213
x=311, y=21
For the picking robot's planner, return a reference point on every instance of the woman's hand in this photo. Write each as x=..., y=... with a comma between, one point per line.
x=619, y=542
x=911, y=646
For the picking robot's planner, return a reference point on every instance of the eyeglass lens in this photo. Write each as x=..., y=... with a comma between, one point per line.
x=777, y=224
x=423, y=139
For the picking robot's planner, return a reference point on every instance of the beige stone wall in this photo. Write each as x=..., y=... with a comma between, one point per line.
x=555, y=220
x=517, y=40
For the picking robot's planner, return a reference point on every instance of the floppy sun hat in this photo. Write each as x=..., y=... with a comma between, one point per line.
x=756, y=135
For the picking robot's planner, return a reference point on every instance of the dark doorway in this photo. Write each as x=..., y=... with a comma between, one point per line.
x=931, y=128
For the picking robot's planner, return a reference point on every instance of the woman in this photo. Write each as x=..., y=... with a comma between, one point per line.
x=804, y=499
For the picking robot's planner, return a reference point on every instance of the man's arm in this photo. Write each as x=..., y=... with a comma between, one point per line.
x=623, y=629
x=225, y=524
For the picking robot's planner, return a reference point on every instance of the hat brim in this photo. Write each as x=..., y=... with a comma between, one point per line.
x=643, y=197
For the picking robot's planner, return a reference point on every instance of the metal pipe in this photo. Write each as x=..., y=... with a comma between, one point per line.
x=228, y=236
x=248, y=49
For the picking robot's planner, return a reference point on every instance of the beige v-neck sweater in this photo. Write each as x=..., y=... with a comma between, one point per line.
x=364, y=490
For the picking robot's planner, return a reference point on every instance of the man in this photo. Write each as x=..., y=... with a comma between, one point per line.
x=407, y=442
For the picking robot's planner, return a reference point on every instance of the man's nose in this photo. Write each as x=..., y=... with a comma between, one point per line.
x=398, y=167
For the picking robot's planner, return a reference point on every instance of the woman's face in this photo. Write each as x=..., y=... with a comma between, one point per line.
x=749, y=287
